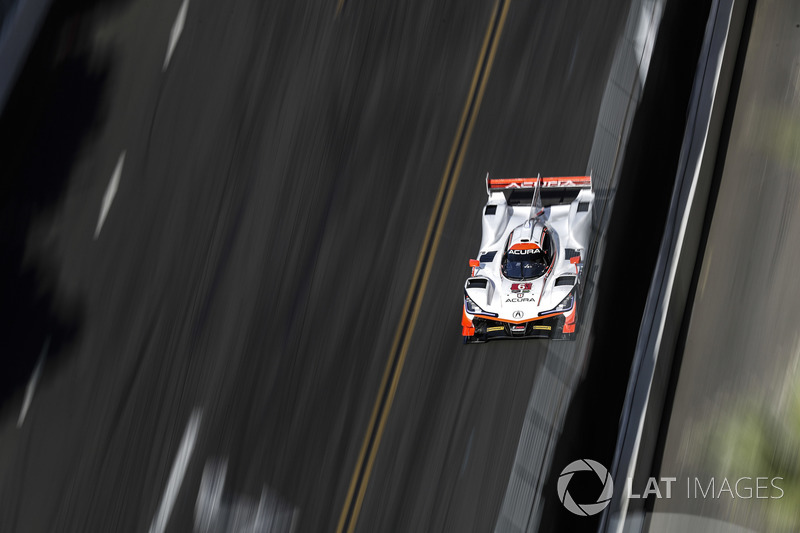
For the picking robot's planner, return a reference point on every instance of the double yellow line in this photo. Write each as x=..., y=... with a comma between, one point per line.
x=422, y=271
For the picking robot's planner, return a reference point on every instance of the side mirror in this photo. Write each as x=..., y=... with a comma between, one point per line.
x=474, y=263
x=575, y=259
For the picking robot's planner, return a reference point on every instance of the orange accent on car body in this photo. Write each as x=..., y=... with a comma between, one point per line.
x=525, y=246
x=467, y=329
x=528, y=183
x=559, y=180
x=575, y=260
x=474, y=263
x=465, y=321
x=569, y=323
x=495, y=183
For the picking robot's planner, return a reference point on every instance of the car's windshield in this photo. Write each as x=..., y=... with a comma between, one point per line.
x=525, y=264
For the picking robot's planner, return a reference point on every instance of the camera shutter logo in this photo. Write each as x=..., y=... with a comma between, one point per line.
x=585, y=509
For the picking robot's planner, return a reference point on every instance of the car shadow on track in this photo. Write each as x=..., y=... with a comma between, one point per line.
x=55, y=106
x=640, y=210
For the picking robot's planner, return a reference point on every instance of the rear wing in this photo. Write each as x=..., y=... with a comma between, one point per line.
x=553, y=190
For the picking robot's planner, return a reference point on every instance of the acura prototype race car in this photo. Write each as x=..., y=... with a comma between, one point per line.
x=525, y=282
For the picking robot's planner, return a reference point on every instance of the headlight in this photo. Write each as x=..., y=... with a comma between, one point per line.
x=565, y=304
x=471, y=307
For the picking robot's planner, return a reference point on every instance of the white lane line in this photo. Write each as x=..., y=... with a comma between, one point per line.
x=31, y=388
x=161, y=518
x=175, y=33
x=208, y=508
x=707, y=267
x=111, y=192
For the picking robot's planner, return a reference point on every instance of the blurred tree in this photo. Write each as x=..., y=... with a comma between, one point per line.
x=762, y=438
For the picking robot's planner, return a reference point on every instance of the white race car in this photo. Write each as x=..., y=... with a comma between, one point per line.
x=526, y=280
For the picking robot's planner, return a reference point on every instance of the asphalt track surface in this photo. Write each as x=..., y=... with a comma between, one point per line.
x=278, y=179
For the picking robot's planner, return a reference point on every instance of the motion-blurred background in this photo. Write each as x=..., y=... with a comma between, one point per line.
x=235, y=235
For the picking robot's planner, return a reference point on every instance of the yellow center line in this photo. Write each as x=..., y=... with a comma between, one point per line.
x=391, y=375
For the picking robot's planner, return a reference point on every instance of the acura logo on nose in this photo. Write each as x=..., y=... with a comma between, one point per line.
x=518, y=314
